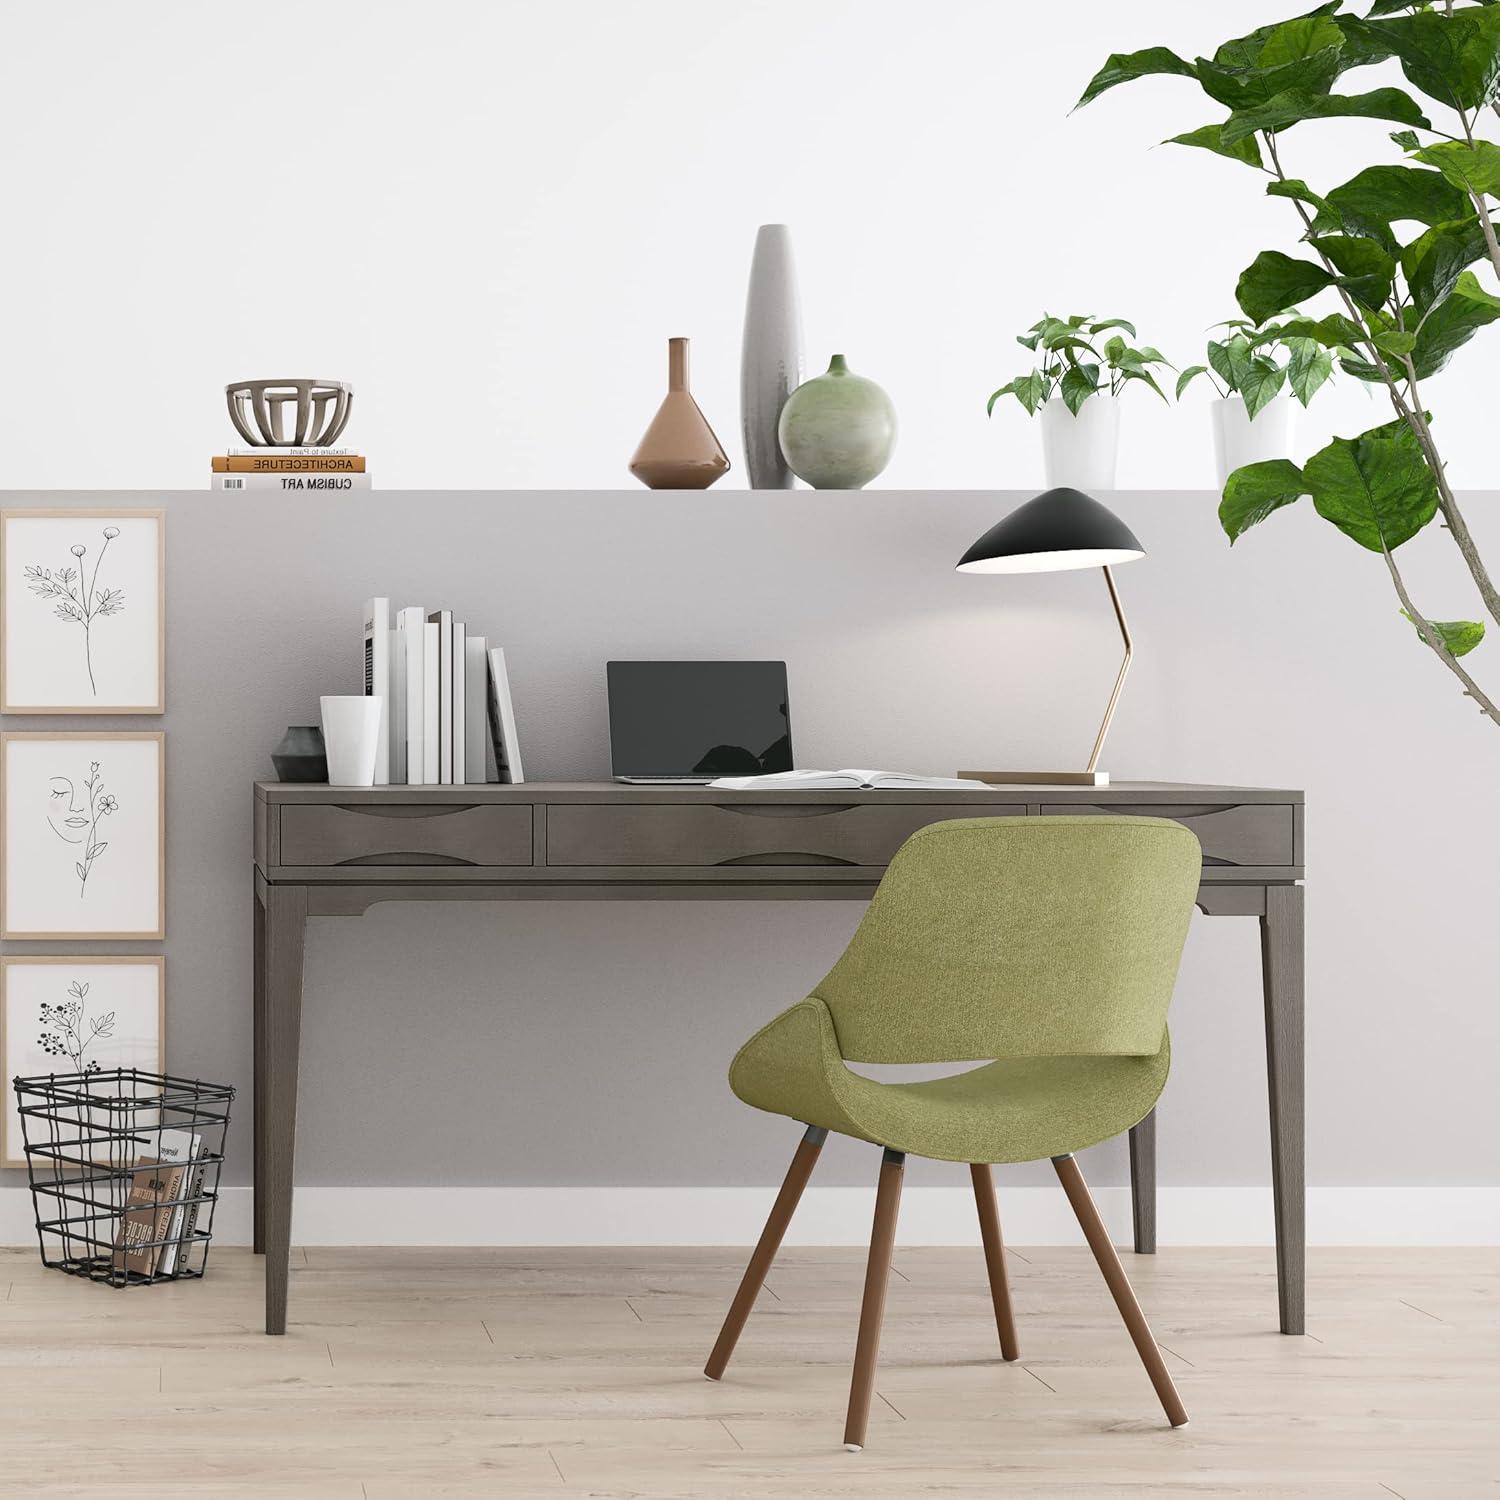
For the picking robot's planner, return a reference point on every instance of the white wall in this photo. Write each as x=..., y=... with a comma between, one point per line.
x=490, y=217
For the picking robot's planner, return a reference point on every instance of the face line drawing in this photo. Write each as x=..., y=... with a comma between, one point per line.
x=64, y=816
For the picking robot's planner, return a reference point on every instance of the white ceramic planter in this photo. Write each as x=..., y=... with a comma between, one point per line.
x=351, y=735
x=1240, y=439
x=1080, y=452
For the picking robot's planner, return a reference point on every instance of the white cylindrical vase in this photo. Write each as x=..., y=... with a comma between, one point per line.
x=770, y=356
x=351, y=736
x=1241, y=439
x=1080, y=453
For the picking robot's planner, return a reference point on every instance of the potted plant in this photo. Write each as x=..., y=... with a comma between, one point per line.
x=1256, y=369
x=1391, y=250
x=1080, y=435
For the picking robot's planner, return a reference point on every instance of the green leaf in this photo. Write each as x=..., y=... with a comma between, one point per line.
x=1434, y=260
x=1296, y=105
x=1245, y=89
x=1125, y=323
x=1331, y=331
x=1078, y=384
x=1467, y=308
x=1406, y=139
x=1304, y=37
x=1452, y=58
x=1246, y=51
x=1132, y=372
x=1311, y=364
x=1262, y=381
x=1222, y=364
x=1273, y=281
x=1459, y=636
x=1475, y=169
x=1255, y=492
x=1379, y=196
x=1126, y=67
x=1377, y=490
x=1397, y=341
x=1210, y=138
x=1187, y=377
x=1366, y=269
x=1114, y=348
x=1294, y=187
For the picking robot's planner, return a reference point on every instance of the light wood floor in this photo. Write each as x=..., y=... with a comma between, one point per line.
x=410, y=1374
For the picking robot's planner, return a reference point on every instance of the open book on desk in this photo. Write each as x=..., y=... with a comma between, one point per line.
x=864, y=781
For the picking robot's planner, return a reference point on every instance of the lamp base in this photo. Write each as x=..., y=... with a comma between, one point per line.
x=1039, y=778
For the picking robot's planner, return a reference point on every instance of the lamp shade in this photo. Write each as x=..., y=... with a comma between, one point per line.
x=1060, y=529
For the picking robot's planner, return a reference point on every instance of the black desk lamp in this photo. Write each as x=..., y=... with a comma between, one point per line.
x=1061, y=529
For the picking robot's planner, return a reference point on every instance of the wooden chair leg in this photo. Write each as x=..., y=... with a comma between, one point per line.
x=877, y=1278
x=803, y=1161
x=994, y=1258
x=1119, y=1286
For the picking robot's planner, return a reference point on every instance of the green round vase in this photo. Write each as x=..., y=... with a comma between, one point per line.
x=837, y=431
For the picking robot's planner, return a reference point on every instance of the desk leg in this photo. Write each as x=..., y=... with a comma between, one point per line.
x=1143, y=1184
x=1281, y=948
x=259, y=964
x=285, y=921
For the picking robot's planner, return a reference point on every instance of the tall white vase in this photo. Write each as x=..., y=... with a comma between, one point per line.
x=1080, y=452
x=1241, y=440
x=770, y=356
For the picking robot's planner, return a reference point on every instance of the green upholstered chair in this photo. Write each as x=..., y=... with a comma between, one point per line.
x=1044, y=949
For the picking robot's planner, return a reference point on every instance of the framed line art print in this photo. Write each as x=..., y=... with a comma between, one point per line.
x=82, y=611
x=76, y=1015
x=82, y=835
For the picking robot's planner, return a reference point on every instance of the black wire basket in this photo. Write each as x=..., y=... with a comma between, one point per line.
x=124, y=1168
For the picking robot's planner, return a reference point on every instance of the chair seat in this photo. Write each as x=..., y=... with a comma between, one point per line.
x=1017, y=1109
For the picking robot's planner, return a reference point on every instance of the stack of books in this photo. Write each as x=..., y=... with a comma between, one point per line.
x=293, y=470
x=448, y=716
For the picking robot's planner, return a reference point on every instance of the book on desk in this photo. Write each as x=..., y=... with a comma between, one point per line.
x=449, y=716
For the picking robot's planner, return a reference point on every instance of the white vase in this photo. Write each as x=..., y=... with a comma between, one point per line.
x=770, y=356
x=1240, y=439
x=351, y=736
x=1080, y=452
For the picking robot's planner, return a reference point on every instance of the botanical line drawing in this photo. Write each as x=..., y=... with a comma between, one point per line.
x=75, y=820
x=71, y=1031
x=78, y=598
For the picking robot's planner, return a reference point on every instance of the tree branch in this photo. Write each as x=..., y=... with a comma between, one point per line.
x=1480, y=206
x=1432, y=639
x=1412, y=415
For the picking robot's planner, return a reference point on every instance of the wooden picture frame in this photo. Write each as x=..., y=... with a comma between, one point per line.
x=117, y=662
x=64, y=814
x=20, y=1057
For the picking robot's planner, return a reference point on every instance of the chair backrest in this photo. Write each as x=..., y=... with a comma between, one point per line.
x=1018, y=937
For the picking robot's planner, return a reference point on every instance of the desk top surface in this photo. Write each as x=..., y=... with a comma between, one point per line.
x=1136, y=793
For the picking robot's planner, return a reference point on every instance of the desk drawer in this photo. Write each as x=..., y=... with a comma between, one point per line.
x=1236, y=833
x=762, y=833
x=410, y=834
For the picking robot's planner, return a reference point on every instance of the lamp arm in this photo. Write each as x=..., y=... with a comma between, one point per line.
x=1114, y=697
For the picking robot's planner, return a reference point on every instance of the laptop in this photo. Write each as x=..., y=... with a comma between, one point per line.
x=685, y=723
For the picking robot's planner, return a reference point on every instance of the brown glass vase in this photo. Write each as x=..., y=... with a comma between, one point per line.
x=679, y=450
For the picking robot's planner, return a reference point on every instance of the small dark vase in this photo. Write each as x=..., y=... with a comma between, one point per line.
x=300, y=756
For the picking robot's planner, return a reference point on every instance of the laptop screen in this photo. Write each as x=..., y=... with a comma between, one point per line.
x=709, y=718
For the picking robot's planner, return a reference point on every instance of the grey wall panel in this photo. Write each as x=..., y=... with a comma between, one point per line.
x=558, y=1042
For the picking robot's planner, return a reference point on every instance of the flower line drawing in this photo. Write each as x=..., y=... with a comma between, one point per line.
x=71, y=1031
x=73, y=825
x=76, y=598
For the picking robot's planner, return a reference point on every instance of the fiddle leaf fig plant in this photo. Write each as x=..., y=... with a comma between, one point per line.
x=1074, y=364
x=1256, y=360
x=1390, y=251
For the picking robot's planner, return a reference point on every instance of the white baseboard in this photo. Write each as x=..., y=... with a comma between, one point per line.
x=828, y=1216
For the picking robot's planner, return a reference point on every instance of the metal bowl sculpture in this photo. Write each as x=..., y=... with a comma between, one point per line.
x=258, y=409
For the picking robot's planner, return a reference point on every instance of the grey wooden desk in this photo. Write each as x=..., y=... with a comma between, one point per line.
x=335, y=851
